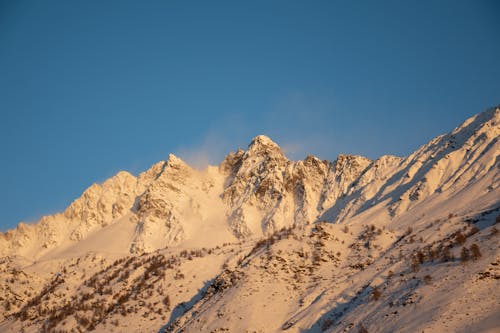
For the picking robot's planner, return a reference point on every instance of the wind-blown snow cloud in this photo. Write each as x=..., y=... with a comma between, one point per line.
x=210, y=151
x=296, y=122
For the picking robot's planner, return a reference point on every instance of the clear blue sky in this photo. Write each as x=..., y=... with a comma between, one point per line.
x=88, y=88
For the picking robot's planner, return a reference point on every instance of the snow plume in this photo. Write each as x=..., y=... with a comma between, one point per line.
x=295, y=121
x=210, y=151
x=224, y=135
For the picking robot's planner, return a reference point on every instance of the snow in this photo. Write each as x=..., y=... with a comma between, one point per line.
x=336, y=234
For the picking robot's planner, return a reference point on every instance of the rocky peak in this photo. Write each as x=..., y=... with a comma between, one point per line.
x=263, y=157
x=146, y=177
x=175, y=162
x=231, y=162
x=314, y=163
x=262, y=145
x=351, y=162
x=176, y=170
x=156, y=170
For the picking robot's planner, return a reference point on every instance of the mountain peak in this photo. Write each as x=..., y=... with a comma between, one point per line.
x=174, y=161
x=263, y=144
x=262, y=139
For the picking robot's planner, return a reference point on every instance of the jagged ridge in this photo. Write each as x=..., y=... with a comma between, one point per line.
x=347, y=244
x=259, y=191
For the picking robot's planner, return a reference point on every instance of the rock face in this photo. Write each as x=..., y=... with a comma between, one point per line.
x=266, y=191
x=101, y=204
x=259, y=191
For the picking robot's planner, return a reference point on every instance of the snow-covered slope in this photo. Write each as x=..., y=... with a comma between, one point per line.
x=341, y=242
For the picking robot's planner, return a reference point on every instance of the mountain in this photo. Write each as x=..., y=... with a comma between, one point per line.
x=262, y=243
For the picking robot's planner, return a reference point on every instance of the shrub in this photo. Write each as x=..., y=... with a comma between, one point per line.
x=415, y=264
x=420, y=256
x=376, y=293
x=428, y=279
x=475, y=252
x=431, y=253
x=465, y=254
x=446, y=254
x=362, y=329
x=473, y=231
x=460, y=238
x=368, y=235
x=166, y=301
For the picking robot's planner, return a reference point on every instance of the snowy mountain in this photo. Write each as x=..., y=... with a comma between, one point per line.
x=262, y=243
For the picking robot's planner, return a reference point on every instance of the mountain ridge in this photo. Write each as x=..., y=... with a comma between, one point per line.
x=263, y=177
x=262, y=243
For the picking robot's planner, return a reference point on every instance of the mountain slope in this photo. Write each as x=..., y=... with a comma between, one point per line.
x=345, y=244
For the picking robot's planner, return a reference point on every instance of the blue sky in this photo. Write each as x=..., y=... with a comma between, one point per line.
x=88, y=88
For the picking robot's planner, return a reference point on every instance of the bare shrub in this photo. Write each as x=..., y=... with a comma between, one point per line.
x=475, y=252
x=368, y=235
x=446, y=254
x=376, y=294
x=473, y=231
x=420, y=256
x=460, y=238
x=166, y=301
x=415, y=264
x=465, y=254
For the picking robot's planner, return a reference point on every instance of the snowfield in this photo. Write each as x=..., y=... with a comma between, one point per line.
x=261, y=243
